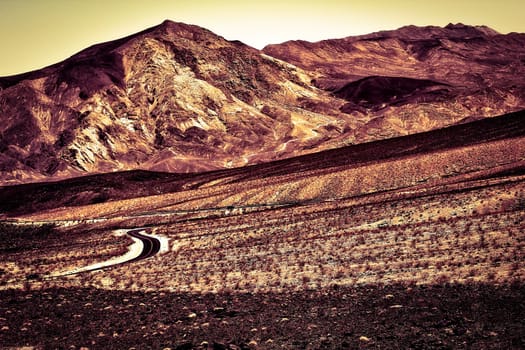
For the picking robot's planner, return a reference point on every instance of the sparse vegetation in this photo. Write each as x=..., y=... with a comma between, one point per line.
x=31, y=252
x=358, y=237
x=458, y=237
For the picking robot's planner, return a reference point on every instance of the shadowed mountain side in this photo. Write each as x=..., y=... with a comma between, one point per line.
x=455, y=151
x=375, y=93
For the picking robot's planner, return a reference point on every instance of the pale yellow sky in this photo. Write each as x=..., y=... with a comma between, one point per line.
x=37, y=33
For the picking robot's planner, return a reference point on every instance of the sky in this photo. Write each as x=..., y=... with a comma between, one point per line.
x=37, y=33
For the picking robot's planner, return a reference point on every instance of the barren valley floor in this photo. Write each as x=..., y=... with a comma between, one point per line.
x=433, y=269
x=396, y=245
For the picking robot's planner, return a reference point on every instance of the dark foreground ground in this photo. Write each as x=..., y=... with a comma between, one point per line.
x=383, y=317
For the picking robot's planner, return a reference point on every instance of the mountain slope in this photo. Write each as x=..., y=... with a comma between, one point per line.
x=420, y=77
x=175, y=97
x=179, y=98
x=468, y=151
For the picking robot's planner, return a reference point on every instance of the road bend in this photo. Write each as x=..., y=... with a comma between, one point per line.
x=150, y=247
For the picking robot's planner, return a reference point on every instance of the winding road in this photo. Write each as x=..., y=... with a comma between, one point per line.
x=147, y=244
x=151, y=245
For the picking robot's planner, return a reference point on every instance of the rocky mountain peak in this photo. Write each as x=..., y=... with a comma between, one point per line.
x=174, y=97
x=179, y=98
x=480, y=29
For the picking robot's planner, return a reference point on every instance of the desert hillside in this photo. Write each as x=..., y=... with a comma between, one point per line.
x=416, y=78
x=179, y=98
x=175, y=190
x=413, y=242
x=463, y=152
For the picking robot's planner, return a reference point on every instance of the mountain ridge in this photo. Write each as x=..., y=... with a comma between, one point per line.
x=179, y=98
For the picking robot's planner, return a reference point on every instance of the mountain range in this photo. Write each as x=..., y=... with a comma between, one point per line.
x=179, y=98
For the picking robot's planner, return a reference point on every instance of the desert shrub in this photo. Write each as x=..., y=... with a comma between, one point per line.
x=15, y=237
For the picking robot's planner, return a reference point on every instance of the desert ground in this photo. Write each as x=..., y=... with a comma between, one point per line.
x=398, y=245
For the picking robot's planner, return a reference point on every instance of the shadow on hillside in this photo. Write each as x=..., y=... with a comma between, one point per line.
x=453, y=316
x=35, y=197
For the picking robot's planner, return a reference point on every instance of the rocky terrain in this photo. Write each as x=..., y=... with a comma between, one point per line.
x=179, y=98
x=372, y=317
x=416, y=78
x=174, y=98
x=408, y=243
x=366, y=192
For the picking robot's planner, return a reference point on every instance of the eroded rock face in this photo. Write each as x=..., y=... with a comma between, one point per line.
x=416, y=78
x=173, y=98
x=179, y=98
